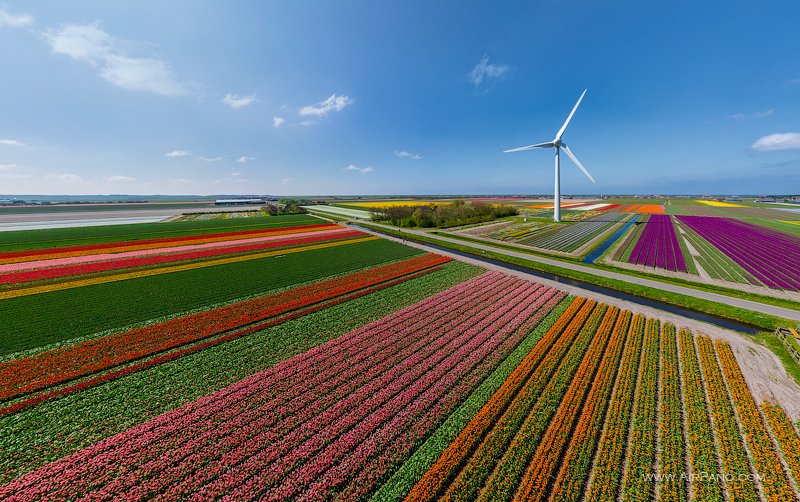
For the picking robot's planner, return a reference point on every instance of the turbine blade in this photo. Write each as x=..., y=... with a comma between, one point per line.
x=566, y=122
x=577, y=163
x=548, y=144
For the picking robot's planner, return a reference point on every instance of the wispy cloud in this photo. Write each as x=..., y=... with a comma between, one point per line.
x=407, y=155
x=778, y=141
x=355, y=169
x=323, y=108
x=66, y=177
x=243, y=159
x=8, y=167
x=235, y=101
x=177, y=153
x=485, y=70
x=118, y=178
x=754, y=115
x=210, y=159
x=11, y=142
x=90, y=44
x=14, y=20
x=285, y=181
x=278, y=121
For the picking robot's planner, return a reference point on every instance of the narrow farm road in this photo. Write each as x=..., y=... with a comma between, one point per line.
x=704, y=295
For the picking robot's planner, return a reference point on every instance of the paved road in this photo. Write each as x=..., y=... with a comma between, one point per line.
x=705, y=295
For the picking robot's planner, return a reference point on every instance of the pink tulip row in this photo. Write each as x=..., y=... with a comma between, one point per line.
x=90, y=463
x=359, y=475
x=75, y=260
x=292, y=446
x=277, y=413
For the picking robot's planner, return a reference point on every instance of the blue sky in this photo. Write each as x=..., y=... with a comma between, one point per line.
x=302, y=97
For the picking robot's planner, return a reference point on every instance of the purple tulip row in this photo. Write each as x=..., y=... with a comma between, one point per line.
x=314, y=422
x=658, y=245
x=771, y=256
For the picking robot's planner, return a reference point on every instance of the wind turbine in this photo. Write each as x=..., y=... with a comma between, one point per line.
x=559, y=145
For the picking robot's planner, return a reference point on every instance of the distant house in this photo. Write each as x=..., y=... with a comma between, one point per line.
x=765, y=199
x=237, y=202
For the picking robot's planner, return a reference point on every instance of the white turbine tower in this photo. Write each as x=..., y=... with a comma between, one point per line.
x=558, y=145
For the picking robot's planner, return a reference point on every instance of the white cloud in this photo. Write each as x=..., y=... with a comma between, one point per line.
x=66, y=177
x=11, y=142
x=407, y=155
x=235, y=101
x=321, y=109
x=243, y=159
x=210, y=159
x=14, y=176
x=15, y=20
x=181, y=181
x=91, y=44
x=177, y=153
x=285, y=181
x=753, y=115
x=235, y=173
x=118, y=179
x=485, y=70
x=356, y=169
x=307, y=123
x=8, y=167
x=778, y=141
x=278, y=121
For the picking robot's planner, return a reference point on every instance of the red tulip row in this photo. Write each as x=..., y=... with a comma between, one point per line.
x=574, y=471
x=38, y=254
x=307, y=427
x=734, y=456
x=599, y=363
x=702, y=451
x=118, y=264
x=672, y=451
x=29, y=374
x=361, y=343
x=774, y=482
x=636, y=484
x=605, y=480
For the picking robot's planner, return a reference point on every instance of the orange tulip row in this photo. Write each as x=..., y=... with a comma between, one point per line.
x=671, y=442
x=604, y=354
x=774, y=482
x=447, y=466
x=575, y=469
x=702, y=451
x=508, y=472
x=787, y=437
x=638, y=483
x=734, y=457
x=605, y=480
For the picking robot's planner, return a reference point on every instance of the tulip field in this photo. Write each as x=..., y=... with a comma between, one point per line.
x=658, y=245
x=310, y=361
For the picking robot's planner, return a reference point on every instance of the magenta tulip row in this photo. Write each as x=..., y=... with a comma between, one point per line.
x=772, y=257
x=314, y=422
x=658, y=245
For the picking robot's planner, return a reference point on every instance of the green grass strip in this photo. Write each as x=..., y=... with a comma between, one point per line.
x=58, y=428
x=413, y=469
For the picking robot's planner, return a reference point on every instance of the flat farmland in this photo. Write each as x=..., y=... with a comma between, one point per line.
x=300, y=359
